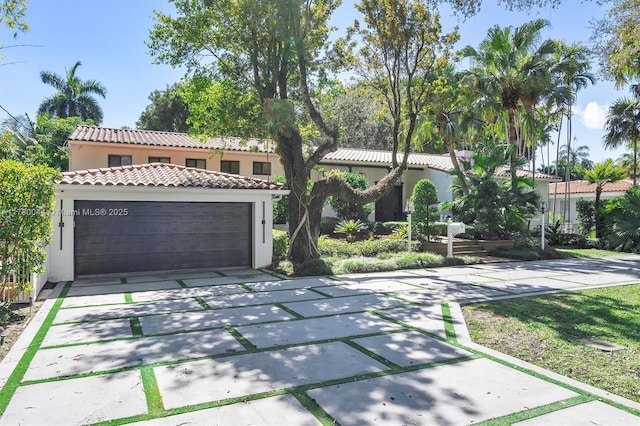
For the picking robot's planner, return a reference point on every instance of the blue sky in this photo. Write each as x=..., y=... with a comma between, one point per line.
x=109, y=36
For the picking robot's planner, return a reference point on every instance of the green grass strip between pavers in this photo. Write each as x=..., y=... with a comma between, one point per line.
x=449, y=329
x=289, y=311
x=12, y=383
x=202, y=303
x=182, y=284
x=136, y=328
x=123, y=281
x=520, y=416
x=314, y=408
x=151, y=391
x=241, y=339
x=128, y=298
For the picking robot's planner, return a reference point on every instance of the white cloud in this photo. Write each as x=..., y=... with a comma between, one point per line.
x=593, y=115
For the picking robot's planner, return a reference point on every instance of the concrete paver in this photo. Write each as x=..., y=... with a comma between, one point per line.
x=456, y=394
x=260, y=372
x=66, y=334
x=76, y=402
x=314, y=329
x=189, y=321
x=412, y=348
x=70, y=360
x=238, y=346
x=274, y=411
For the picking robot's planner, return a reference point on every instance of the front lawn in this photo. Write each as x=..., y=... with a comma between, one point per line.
x=542, y=330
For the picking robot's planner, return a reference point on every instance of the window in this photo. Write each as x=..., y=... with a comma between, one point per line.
x=159, y=160
x=119, y=160
x=198, y=163
x=260, y=168
x=232, y=167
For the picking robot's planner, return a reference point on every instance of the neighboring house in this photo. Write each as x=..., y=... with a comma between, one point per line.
x=92, y=147
x=435, y=167
x=564, y=195
x=159, y=217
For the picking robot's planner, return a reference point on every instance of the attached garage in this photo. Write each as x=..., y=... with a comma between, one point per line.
x=159, y=217
x=135, y=236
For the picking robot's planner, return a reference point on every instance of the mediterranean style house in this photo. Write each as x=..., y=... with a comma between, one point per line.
x=563, y=197
x=92, y=147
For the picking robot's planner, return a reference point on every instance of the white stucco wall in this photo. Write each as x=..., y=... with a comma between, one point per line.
x=61, y=249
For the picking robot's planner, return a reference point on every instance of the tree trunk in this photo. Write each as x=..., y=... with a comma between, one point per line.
x=513, y=141
x=597, y=213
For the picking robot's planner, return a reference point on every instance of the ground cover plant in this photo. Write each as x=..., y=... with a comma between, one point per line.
x=542, y=330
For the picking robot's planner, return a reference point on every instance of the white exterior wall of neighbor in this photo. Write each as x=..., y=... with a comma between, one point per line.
x=61, y=260
x=559, y=202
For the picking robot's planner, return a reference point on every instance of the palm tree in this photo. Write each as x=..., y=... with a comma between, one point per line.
x=602, y=173
x=623, y=126
x=510, y=66
x=73, y=97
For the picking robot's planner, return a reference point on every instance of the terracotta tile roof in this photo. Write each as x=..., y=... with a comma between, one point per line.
x=440, y=162
x=433, y=161
x=168, y=139
x=164, y=175
x=584, y=187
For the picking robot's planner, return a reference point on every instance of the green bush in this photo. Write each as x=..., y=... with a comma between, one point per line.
x=352, y=211
x=366, y=264
x=315, y=267
x=280, y=244
x=440, y=228
x=424, y=195
x=340, y=248
x=519, y=254
x=351, y=228
x=419, y=260
x=281, y=207
x=572, y=240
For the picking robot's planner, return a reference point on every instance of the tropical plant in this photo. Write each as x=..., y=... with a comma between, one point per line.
x=511, y=68
x=351, y=228
x=424, y=196
x=602, y=173
x=624, y=234
x=499, y=208
x=281, y=207
x=345, y=210
x=585, y=212
x=623, y=127
x=74, y=96
x=26, y=205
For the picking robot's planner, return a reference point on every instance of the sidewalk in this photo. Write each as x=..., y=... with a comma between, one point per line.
x=243, y=347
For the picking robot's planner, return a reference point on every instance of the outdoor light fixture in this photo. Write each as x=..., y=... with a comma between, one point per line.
x=542, y=222
x=408, y=209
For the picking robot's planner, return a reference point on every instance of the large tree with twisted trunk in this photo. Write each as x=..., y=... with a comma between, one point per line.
x=282, y=49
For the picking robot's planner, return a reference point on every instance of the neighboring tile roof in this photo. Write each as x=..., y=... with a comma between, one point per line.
x=167, y=139
x=440, y=162
x=166, y=175
x=584, y=187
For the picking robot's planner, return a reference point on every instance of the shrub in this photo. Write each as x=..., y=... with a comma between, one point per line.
x=573, y=240
x=352, y=211
x=281, y=207
x=424, y=195
x=419, y=260
x=440, y=228
x=280, y=244
x=314, y=267
x=333, y=247
x=351, y=228
x=519, y=254
x=586, y=215
x=366, y=264
x=372, y=248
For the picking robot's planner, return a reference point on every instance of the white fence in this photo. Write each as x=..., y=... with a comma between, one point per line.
x=21, y=276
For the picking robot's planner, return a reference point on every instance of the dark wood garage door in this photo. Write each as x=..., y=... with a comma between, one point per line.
x=118, y=236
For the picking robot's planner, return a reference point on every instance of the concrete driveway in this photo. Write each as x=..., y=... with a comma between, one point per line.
x=243, y=347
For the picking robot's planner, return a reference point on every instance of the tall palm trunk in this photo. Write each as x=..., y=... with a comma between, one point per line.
x=513, y=140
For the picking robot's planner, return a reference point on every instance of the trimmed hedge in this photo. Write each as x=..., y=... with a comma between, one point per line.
x=280, y=244
x=368, y=248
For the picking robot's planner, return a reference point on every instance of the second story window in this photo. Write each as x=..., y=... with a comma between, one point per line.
x=198, y=163
x=159, y=160
x=232, y=167
x=261, y=168
x=119, y=160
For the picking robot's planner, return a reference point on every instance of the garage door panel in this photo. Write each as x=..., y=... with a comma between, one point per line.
x=160, y=236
